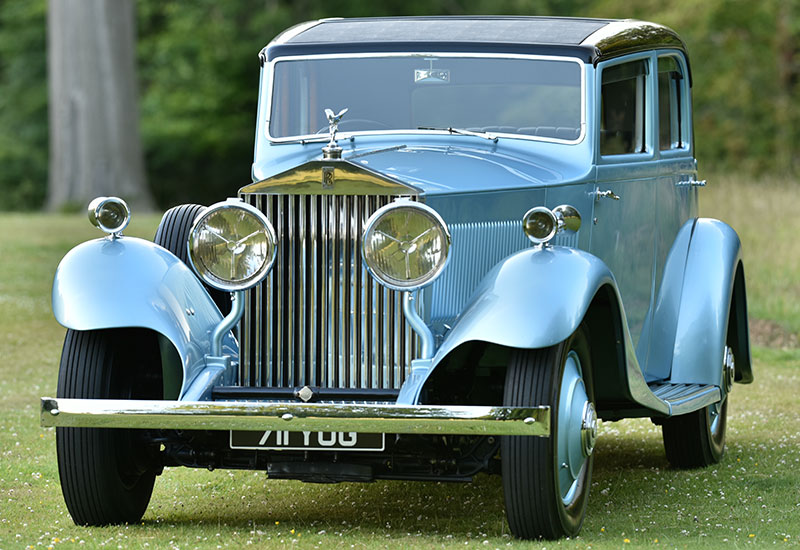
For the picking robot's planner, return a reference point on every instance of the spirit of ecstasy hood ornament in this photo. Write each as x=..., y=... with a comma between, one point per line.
x=332, y=150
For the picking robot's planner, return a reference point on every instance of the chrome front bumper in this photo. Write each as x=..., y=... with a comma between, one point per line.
x=295, y=417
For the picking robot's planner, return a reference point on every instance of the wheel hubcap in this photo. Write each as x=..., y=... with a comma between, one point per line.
x=728, y=369
x=728, y=374
x=577, y=428
x=588, y=429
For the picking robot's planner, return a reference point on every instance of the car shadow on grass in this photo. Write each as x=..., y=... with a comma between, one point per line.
x=243, y=501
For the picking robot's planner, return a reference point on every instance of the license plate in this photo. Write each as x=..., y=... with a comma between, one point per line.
x=307, y=441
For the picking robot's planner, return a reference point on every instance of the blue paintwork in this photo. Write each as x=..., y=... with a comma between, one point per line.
x=658, y=363
x=438, y=164
x=691, y=313
x=639, y=246
x=700, y=335
x=130, y=282
x=534, y=299
x=671, y=277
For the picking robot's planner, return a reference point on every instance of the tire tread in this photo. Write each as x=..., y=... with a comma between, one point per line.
x=89, y=479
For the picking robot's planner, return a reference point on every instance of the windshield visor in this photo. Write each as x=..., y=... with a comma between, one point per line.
x=534, y=97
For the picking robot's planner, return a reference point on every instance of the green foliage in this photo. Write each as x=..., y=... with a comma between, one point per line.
x=198, y=69
x=198, y=76
x=23, y=105
x=746, y=71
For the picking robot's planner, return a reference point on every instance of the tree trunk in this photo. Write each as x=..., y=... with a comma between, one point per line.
x=95, y=146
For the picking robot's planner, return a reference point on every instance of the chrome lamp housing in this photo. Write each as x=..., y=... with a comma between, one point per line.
x=110, y=214
x=405, y=245
x=541, y=224
x=232, y=246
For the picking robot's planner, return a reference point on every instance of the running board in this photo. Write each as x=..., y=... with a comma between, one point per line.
x=685, y=398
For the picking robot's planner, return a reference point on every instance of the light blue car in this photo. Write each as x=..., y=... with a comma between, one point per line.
x=466, y=241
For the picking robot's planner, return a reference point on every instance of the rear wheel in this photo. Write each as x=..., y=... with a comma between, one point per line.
x=546, y=479
x=697, y=439
x=107, y=475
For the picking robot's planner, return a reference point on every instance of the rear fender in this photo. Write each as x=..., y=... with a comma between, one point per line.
x=712, y=305
x=129, y=282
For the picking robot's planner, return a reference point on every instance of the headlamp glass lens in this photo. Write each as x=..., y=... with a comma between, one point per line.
x=539, y=224
x=406, y=247
x=232, y=248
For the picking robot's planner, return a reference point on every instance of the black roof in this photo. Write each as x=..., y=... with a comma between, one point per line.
x=588, y=39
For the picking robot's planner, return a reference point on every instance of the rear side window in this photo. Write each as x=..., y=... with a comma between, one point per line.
x=622, y=124
x=670, y=108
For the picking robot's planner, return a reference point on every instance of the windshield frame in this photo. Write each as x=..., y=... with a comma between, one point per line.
x=268, y=84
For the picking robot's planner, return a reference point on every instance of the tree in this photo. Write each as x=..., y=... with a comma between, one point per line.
x=95, y=147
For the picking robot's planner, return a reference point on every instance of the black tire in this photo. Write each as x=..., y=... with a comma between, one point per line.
x=542, y=499
x=697, y=439
x=107, y=475
x=173, y=231
x=173, y=234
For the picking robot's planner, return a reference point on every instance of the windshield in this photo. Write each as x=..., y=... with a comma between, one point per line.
x=528, y=96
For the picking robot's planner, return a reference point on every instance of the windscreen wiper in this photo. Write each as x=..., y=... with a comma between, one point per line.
x=302, y=141
x=462, y=132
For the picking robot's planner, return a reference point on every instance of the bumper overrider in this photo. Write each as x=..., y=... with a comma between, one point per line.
x=246, y=415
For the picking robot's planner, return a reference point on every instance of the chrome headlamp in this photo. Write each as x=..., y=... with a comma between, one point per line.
x=406, y=245
x=232, y=246
x=111, y=214
x=541, y=224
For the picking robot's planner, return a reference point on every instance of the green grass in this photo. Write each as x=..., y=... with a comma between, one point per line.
x=750, y=499
x=762, y=212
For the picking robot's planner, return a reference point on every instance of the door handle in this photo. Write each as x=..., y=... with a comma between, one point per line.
x=691, y=183
x=608, y=193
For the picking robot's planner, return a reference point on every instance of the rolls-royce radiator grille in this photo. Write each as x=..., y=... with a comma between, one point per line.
x=320, y=319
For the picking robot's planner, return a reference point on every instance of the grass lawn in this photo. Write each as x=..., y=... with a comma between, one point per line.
x=750, y=499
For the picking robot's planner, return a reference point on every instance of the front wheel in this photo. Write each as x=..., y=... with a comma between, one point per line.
x=107, y=475
x=546, y=479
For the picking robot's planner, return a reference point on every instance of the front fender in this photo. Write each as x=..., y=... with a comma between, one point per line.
x=129, y=282
x=533, y=299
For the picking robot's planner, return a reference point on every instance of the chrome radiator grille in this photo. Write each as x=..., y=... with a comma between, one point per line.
x=320, y=319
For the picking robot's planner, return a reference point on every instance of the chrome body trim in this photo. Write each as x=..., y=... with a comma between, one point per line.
x=427, y=343
x=330, y=177
x=691, y=183
x=685, y=398
x=419, y=419
x=319, y=318
x=228, y=323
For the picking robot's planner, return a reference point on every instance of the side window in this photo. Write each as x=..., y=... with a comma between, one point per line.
x=670, y=110
x=622, y=118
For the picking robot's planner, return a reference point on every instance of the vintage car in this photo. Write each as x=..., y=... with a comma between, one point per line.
x=466, y=240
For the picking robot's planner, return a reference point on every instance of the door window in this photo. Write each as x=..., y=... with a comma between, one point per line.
x=670, y=108
x=623, y=95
